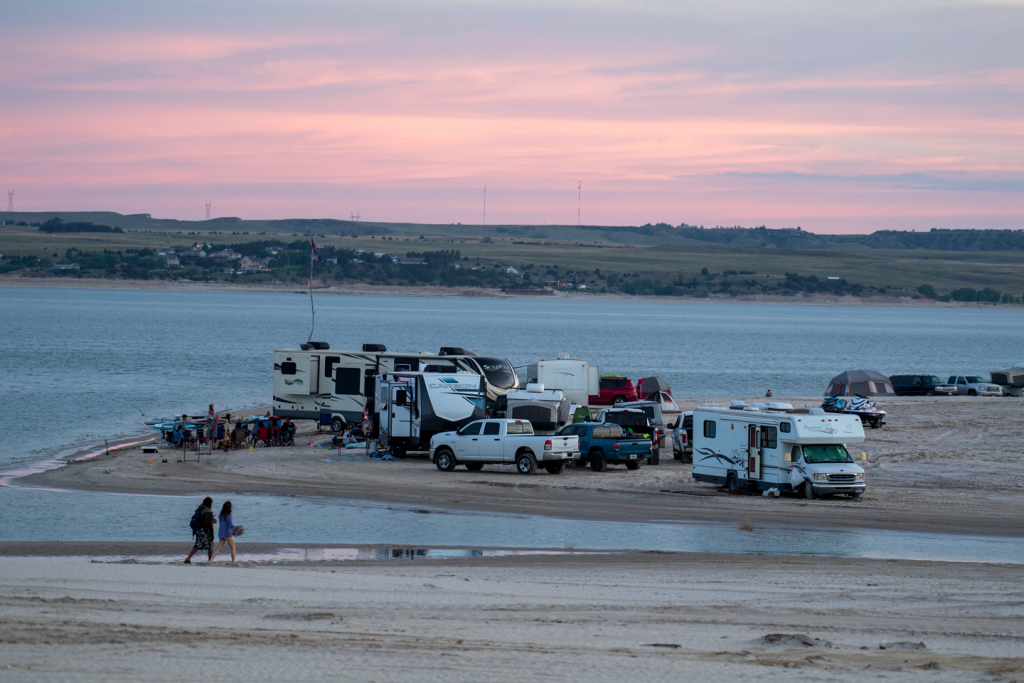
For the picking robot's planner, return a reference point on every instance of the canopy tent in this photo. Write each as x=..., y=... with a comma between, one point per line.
x=652, y=384
x=860, y=383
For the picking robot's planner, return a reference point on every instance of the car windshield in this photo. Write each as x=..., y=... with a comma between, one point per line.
x=628, y=419
x=499, y=372
x=975, y=380
x=836, y=453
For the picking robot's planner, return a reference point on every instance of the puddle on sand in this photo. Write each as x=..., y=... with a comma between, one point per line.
x=302, y=555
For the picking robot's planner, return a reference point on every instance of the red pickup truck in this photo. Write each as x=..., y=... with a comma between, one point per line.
x=614, y=389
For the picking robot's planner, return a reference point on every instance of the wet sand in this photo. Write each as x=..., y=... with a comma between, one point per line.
x=943, y=465
x=642, y=616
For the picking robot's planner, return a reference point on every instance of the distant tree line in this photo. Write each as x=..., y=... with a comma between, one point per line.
x=55, y=224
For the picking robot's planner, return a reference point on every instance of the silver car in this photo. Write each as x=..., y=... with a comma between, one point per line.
x=682, y=438
x=972, y=385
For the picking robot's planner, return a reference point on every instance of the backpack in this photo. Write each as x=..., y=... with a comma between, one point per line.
x=196, y=522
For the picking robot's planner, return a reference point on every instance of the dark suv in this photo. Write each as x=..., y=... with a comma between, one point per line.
x=921, y=385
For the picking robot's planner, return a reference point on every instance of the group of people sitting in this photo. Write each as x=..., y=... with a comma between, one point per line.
x=221, y=436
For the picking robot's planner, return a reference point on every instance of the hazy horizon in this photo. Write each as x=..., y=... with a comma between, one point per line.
x=834, y=118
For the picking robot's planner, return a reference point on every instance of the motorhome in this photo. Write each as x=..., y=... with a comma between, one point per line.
x=411, y=407
x=772, y=446
x=314, y=379
x=546, y=409
x=577, y=379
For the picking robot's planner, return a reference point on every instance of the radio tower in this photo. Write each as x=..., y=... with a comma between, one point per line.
x=10, y=201
x=579, y=197
x=208, y=205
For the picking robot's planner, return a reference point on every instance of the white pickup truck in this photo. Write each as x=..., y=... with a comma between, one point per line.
x=502, y=442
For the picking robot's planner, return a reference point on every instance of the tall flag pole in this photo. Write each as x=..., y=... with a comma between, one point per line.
x=316, y=252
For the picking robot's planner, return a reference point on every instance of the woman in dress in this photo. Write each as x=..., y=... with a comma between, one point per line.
x=204, y=531
x=225, y=532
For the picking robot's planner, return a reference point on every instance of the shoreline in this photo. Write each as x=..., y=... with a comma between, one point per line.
x=433, y=291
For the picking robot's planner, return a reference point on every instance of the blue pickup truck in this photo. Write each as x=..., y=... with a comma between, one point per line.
x=604, y=443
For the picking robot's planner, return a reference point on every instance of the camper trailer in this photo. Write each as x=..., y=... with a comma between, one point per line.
x=411, y=407
x=313, y=380
x=771, y=446
x=546, y=409
x=577, y=378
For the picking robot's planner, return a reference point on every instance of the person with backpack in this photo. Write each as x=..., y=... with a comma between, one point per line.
x=227, y=532
x=202, y=528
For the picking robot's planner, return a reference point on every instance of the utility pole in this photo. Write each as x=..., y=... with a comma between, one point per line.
x=10, y=201
x=579, y=199
x=208, y=205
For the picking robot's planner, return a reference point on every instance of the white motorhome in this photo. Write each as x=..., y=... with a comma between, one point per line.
x=772, y=446
x=313, y=380
x=414, y=406
x=578, y=379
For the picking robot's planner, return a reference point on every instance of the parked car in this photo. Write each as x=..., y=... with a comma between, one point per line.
x=634, y=422
x=972, y=385
x=602, y=444
x=655, y=413
x=921, y=385
x=614, y=389
x=502, y=442
x=682, y=438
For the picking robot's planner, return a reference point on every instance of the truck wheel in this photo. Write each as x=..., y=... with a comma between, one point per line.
x=656, y=458
x=557, y=468
x=597, y=462
x=526, y=463
x=445, y=460
x=474, y=466
x=633, y=465
x=337, y=424
x=855, y=495
x=808, y=490
x=972, y=392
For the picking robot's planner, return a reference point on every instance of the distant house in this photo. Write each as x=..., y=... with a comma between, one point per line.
x=250, y=265
x=225, y=255
x=511, y=271
x=65, y=266
x=173, y=260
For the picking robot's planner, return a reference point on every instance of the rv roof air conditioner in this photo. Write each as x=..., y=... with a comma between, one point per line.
x=780, y=406
x=816, y=411
x=535, y=388
x=374, y=348
x=736, y=405
x=455, y=351
x=320, y=346
x=306, y=347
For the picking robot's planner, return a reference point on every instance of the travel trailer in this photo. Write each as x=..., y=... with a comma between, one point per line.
x=577, y=378
x=546, y=409
x=313, y=380
x=772, y=446
x=411, y=407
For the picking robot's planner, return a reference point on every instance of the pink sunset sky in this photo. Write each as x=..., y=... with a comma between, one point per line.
x=834, y=116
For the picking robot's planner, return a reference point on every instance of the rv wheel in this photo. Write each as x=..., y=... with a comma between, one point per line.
x=808, y=490
x=445, y=460
x=732, y=483
x=337, y=424
x=526, y=463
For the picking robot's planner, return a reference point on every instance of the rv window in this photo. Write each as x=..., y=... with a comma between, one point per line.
x=492, y=428
x=346, y=381
x=709, y=429
x=287, y=368
x=769, y=437
x=784, y=427
x=329, y=363
x=472, y=429
x=498, y=371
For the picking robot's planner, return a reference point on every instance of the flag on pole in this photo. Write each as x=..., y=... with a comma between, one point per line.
x=315, y=250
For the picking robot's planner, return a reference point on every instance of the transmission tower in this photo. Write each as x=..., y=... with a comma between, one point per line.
x=10, y=201
x=208, y=205
x=355, y=217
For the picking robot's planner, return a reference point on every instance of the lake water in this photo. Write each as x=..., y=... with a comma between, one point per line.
x=78, y=366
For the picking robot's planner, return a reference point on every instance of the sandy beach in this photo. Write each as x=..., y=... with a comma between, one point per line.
x=650, y=616
x=941, y=464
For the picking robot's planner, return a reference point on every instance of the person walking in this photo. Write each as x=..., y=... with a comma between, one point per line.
x=202, y=528
x=211, y=425
x=226, y=532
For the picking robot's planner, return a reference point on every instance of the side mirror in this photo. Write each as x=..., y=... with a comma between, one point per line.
x=863, y=456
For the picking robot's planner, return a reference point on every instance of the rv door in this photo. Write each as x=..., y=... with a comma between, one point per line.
x=753, y=452
x=401, y=411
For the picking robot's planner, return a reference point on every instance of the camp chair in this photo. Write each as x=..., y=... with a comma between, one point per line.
x=324, y=421
x=261, y=436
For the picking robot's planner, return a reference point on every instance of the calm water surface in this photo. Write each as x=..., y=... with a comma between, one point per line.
x=78, y=366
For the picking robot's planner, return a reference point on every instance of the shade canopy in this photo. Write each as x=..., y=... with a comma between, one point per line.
x=860, y=383
x=653, y=383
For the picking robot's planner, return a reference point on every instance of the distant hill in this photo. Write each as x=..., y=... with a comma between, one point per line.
x=661, y=234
